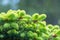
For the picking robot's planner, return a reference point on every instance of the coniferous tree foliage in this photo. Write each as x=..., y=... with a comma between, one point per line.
x=17, y=25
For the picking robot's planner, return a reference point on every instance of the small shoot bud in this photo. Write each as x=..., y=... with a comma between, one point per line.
x=42, y=17
x=50, y=26
x=12, y=16
x=15, y=26
x=6, y=26
x=58, y=33
x=21, y=13
x=1, y=36
x=12, y=32
x=35, y=16
x=27, y=17
x=22, y=35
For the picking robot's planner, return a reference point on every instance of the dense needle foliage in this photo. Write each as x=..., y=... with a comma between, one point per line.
x=17, y=25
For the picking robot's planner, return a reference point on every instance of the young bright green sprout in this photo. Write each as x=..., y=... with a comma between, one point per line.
x=35, y=16
x=3, y=16
x=12, y=16
x=42, y=17
x=6, y=26
x=58, y=33
x=35, y=35
x=9, y=11
x=30, y=34
x=14, y=26
x=1, y=36
x=50, y=26
x=27, y=17
x=22, y=35
x=21, y=13
x=56, y=27
x=12, y=32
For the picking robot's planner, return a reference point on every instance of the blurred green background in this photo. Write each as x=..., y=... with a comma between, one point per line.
x=49, y=7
